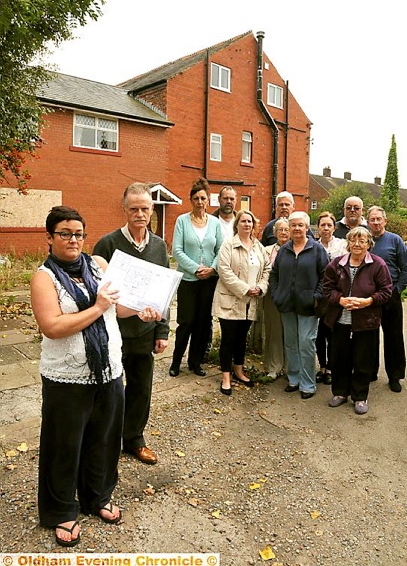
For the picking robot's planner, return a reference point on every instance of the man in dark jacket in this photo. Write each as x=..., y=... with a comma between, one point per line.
x=353, y=216
x=392, y=249
x=140, y=340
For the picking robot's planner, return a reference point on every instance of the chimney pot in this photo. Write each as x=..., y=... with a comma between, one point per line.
x=326, y=171
x=377, y=180
x=347, y=176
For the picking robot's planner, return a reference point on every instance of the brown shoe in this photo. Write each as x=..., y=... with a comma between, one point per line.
x=144, y=454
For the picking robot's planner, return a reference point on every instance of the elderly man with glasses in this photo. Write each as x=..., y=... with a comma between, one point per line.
x=353, y=217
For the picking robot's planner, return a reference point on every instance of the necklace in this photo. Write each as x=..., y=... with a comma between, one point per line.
x=199, y=220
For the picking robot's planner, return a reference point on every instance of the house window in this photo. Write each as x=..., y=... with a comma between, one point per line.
x=246, y=147
x=99, y=133
x=216, y=147
x=245, y=202
x=220, y=77
x=274, y=95
x=314, y=205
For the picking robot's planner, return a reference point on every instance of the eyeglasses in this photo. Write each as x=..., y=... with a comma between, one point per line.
x=353, y=207
x=357, y=241
x=69, y=235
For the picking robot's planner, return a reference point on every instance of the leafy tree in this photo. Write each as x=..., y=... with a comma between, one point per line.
x=334, y=203
x=28, y=28
x=390, y=198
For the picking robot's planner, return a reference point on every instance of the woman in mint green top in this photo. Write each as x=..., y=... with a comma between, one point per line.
x=196, y=242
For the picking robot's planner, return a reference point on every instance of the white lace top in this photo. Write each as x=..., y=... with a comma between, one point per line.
x=64, y=359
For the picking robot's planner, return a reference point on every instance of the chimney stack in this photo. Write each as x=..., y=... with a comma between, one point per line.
x=347, y=176
x=326, y=171
x=377, y=180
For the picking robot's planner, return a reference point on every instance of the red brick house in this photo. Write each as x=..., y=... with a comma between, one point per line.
x=224, y=113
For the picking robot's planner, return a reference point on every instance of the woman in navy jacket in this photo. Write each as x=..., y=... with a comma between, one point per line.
x=356, y=285
x=296, y=289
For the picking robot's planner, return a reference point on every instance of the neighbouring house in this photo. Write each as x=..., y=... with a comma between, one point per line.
x=223, y=113
x=321, y=185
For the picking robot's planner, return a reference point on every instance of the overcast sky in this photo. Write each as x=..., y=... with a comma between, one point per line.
x=345, y=63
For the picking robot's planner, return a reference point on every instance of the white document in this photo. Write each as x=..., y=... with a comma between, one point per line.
x=142, y=284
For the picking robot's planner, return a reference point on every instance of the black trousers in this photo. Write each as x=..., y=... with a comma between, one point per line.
x=138, y=364
x=393, y=339
x=233, y=342
x=79, y=448
x=352, y=361
x=194, y=305
x=323, y=344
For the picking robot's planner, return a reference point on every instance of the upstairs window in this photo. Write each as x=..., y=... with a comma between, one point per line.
x=220, y=77
x=216, y=147
x=246, y=147
x=275, y=95
x=98, y=133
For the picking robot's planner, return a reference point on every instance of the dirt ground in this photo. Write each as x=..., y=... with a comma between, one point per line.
x=263, y=468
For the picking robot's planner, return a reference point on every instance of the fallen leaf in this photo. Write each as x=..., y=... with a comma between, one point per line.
x=4, y=336
x=216, y=513
x=263, y=480
x=149, y=490
x=315, y=514
x=155, y=433
x=254, y=485
x=23, y=447
x=217, y=411
x=267, y=553
x=179, y=453
x=11, y=453
x=217, y=434
x=11, y=467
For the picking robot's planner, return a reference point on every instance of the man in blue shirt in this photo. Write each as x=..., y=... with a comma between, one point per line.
x=392, y=249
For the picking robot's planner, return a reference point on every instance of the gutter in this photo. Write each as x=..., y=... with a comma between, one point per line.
x=269, y=118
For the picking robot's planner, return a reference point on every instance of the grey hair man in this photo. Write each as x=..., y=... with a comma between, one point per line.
x=140, y=339
x=285, y=206
x=391, y=248
x=353, y=217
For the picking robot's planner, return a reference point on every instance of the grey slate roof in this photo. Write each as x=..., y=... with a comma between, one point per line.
x=83, y=94
x=165, y=72
x=330, y=183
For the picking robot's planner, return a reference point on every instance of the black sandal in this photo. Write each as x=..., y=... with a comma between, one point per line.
x=68, y=543
x=109, y=507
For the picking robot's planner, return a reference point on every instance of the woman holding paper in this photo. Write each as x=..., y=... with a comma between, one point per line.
x=195, y=247
x=82, y=389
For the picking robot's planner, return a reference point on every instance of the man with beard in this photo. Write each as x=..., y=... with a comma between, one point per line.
x=226, y=210
x=353, y=217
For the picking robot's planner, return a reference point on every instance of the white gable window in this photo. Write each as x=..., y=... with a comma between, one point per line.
x=220, y=77
x=216, y=147
x=92, y=131
x=274, y=95
x=246, y=147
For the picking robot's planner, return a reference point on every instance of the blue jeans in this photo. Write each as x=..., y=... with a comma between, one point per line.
x=300, y=333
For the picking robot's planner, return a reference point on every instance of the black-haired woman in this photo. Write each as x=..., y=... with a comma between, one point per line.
x=82, y=389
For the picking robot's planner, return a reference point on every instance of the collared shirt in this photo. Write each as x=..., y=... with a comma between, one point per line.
x=142, y=245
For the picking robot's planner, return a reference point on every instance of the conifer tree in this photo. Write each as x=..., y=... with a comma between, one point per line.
x=390, y=198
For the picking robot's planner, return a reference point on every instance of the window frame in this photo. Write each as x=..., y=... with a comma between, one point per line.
x=97, y=129
x=248, y=143
x=272, y=91
x=218, y=85
x=215, y=144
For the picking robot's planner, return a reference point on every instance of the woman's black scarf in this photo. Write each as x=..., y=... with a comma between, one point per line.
x=95, y=335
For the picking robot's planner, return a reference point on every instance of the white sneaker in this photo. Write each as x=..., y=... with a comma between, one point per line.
x=272, y=376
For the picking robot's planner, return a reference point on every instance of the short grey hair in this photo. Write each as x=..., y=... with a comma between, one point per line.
x=300, y=215
x=285, y=194
x=279, y=223
x=377, y=209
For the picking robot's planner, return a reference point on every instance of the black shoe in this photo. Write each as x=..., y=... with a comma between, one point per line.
x=320, y=377
x=249, y=383
x=394, y=385
x=227, y=391
x=291, y=388
x=174, y=370
x=328, y=379
x=305, y=395
x=198, y=370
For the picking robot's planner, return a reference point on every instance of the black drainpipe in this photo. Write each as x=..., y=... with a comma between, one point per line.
x=264, y=109
x=205, y=156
